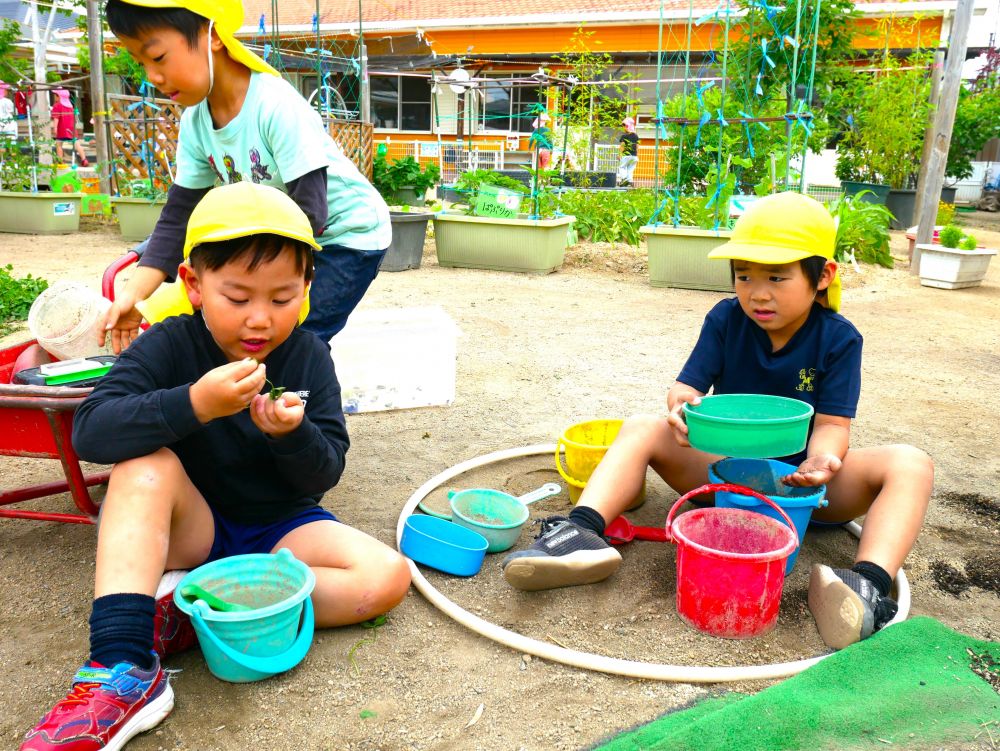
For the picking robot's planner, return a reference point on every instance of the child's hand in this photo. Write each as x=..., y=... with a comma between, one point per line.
x=814, y=471
x=276, y=417
x=226, y=390
x=675, y=418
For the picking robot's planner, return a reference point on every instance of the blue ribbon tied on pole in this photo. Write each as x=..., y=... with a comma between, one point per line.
x=801, y=118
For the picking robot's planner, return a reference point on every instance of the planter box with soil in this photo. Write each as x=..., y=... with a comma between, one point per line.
x=137, y=216
x=532, y=246
x=40, y=213
x=953, y=268
x=678, y=257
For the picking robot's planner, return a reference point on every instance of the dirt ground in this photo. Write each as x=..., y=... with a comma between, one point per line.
x=536, y=354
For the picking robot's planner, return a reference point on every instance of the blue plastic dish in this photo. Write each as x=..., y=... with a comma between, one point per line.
x=443, y=545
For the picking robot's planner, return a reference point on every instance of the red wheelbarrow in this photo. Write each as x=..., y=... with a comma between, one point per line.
x=37, y=421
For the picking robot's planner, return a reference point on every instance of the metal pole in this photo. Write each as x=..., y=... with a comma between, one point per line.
x=97, y=93
x=944, y=121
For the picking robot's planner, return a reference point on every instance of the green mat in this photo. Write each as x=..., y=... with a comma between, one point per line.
x=907, y=687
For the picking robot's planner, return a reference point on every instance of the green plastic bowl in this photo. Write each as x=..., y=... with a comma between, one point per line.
x=748, y=426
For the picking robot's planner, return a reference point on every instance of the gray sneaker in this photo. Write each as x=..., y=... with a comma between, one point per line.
x=846, y=606
x=563, y=555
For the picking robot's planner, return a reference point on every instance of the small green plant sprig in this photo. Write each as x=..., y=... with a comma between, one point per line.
x=16, y=296
x=968, y=243
x=373, y=625
x=950, y=236
x=274, y=392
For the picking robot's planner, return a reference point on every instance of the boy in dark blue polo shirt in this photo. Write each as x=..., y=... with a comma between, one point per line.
x=780, y=335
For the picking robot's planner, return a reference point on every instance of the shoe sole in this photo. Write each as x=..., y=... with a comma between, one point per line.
x=550, y=572
x=145, y=719
x=836, y=608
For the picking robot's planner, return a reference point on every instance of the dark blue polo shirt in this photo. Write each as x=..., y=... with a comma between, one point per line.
x=821, y=363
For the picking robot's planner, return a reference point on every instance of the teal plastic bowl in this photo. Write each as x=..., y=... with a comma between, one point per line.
x=748, y=426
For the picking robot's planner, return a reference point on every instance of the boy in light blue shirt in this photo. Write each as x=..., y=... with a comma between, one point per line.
x=243, y=122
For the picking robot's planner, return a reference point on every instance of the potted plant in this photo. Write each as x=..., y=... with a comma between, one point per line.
x=862, y=230
x=26, y=210
x=409, y=230
x=502, y=229
x=139, y=204
x=955, y=262
x=404, y=181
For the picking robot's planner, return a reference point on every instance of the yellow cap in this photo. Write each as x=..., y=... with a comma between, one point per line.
x=228, y=18
x=784, y=228
x=227, y=212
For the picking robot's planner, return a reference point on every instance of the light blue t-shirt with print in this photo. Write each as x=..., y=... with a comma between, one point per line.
x=276, y=138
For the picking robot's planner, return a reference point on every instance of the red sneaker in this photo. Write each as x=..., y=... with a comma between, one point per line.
x=172, y=629
x=104, y=709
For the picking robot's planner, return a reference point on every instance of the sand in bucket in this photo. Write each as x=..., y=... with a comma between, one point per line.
x=585, y=445
x=270, y=638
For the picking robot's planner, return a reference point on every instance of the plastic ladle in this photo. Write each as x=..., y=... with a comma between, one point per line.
x=192, y=593
x=621, y=530
x=546, y=491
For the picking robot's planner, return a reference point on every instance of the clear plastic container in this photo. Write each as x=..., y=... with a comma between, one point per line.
x=66, y=318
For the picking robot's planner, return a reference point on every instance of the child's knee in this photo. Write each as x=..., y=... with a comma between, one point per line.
x=644, y=428
x=156, y=474
x=912, y=461
x=396, y=579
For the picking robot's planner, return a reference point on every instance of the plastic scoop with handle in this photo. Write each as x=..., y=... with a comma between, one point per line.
x=547, y=490
x=621, y=530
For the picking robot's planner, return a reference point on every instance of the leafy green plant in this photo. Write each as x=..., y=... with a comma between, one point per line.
x=968, y=242
x=15, y=167
x=373, y=625
x=16, y=296
x=945, y=213
x=862, y=230
x=609, y=216
x=389, y=177
x=950, y=236
x=885, y=116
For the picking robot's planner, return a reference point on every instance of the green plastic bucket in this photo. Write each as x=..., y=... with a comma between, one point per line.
x=270, y=638
x=749, y=426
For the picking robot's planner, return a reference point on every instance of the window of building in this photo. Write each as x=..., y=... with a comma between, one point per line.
x=401, y=102
x=505, y=106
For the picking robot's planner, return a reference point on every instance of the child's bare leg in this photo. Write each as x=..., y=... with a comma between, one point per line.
x=152, y=519
x=357, y=577
x=892, y=485
x=643, y=441
x=573, y=551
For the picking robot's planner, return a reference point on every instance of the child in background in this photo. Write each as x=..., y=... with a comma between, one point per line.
x=629, y=146
x=780, y=335
x=541, y=139
x=207, y=466
x=64, y=128
x=8, y=122
x=244, y=122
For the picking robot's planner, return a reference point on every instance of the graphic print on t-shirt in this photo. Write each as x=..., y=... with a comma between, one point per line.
x=806, y=379
x=234, y=174
x=215, y=169
x=258, y=171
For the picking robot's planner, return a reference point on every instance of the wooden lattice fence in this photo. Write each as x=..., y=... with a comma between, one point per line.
x=355, y=138
x=144, y=130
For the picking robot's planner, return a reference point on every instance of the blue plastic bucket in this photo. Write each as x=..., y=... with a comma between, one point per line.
x=764, y=476
x=270, y=638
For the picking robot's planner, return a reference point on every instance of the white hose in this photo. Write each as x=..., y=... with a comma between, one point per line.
x=588, y=660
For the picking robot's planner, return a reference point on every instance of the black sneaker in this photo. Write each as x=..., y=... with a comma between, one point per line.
x=563, y=555
x=846, y=606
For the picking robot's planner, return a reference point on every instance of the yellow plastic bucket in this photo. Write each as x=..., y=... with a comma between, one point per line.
x=585, y=445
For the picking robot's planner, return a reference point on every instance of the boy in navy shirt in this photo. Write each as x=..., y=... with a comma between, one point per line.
x=210, y=464
x=780, y=335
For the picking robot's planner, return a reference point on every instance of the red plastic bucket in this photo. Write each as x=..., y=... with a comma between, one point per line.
x=730, y=565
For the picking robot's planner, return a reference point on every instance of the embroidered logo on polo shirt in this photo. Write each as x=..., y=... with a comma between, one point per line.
x=806, y=378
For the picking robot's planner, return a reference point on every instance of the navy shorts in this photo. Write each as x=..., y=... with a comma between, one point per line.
x=238, y=539
x=343, y=275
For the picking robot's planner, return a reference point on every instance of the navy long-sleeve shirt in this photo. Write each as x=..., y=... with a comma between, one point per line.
x=143, y=404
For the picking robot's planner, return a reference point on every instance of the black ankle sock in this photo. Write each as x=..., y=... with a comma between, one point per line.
x=121, y=630
x=586, y=517
x=875, y=574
